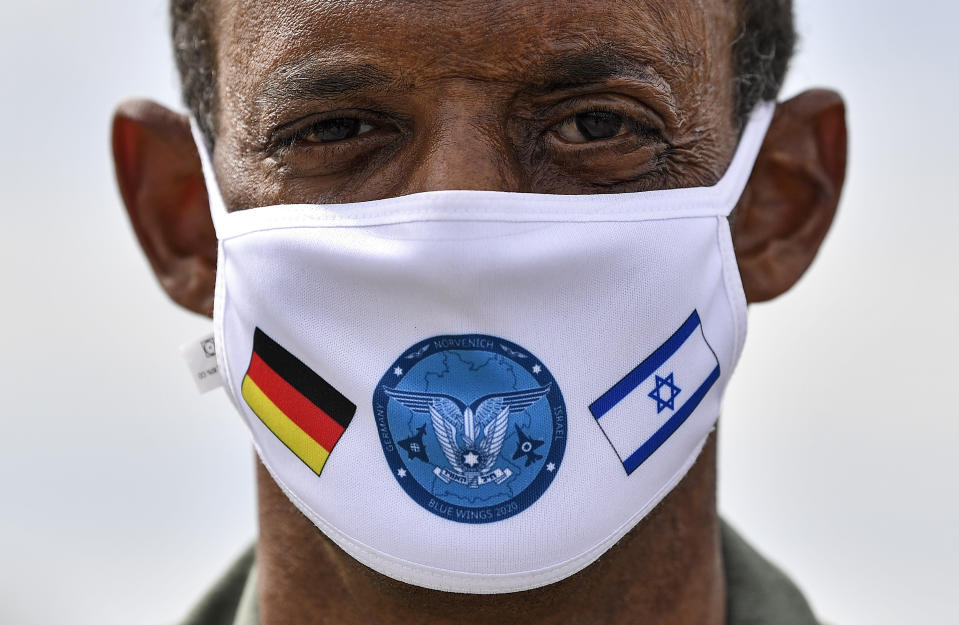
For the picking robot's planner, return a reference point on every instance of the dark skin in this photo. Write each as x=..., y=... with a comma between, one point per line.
x=340, y=102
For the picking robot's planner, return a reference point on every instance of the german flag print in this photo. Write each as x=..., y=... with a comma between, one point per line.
x=302, y=409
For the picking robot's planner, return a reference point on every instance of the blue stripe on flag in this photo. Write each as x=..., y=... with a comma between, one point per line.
x=646, y=450
x=645, y=369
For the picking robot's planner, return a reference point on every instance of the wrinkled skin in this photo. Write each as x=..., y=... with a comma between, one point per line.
x=347, y=101
x=472, y=98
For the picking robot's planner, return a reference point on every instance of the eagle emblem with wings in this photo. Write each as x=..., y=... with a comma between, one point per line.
x=473, y=426
x=472, y=436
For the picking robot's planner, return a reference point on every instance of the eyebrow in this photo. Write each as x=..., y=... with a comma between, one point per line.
x=324, y=79
x=316, y=79
x=586, y=67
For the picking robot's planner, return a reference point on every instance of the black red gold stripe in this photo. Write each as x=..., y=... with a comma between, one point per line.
x=301, y=408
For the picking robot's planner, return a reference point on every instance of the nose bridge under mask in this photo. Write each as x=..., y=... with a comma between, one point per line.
x=459, y=156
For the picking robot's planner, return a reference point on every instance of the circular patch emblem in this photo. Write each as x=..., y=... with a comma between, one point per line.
x=473, y=426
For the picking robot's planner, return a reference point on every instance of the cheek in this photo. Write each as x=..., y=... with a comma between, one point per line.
x=244, y=182
x=625, y=163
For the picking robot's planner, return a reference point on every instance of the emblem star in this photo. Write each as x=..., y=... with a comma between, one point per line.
x=665, y=393
x=470, y=459
x=537, y=368
x=401, y=472
x=398, y=371
x=550, y=467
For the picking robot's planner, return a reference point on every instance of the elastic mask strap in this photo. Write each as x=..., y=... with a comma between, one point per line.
x=217, y=207
x=733, y=182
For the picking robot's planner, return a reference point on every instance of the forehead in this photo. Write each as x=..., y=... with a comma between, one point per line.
x=685, y=44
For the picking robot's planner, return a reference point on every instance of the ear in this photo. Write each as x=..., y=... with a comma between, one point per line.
x=161, y=181
x=791, y=199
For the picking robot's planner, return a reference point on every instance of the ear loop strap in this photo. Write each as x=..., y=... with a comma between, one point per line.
x=217, y=207
x=730, y=187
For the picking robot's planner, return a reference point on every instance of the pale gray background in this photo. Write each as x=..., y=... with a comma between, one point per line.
x=123, y=493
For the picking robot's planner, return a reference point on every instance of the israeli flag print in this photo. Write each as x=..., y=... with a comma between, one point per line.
x=641, y=411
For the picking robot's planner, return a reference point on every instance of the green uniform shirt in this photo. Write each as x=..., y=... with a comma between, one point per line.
x=757, y=593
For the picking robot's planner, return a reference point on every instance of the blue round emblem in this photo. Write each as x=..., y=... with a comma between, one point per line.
x=473, y=426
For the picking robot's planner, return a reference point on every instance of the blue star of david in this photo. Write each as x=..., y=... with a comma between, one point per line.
x=657, y=393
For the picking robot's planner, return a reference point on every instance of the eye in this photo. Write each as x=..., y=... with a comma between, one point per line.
x=333, y=130
x=591, y=126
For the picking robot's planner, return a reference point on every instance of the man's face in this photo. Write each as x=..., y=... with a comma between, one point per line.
x=345, y=101
x=338, y=101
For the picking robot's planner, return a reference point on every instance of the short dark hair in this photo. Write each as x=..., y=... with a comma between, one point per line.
x=761, y=54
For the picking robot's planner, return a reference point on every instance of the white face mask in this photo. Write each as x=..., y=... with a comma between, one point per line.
x=478, y=391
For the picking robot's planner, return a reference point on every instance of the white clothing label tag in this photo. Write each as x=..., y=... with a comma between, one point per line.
x=200, y=356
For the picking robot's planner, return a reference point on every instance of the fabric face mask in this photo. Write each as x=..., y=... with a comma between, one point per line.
x=476, y=391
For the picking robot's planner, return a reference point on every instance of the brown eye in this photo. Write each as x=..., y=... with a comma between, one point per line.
x=591, y=126
x=338, y=129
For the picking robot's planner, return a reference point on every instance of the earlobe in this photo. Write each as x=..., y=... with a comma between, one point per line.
x=791, y=199
x=160, y=178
